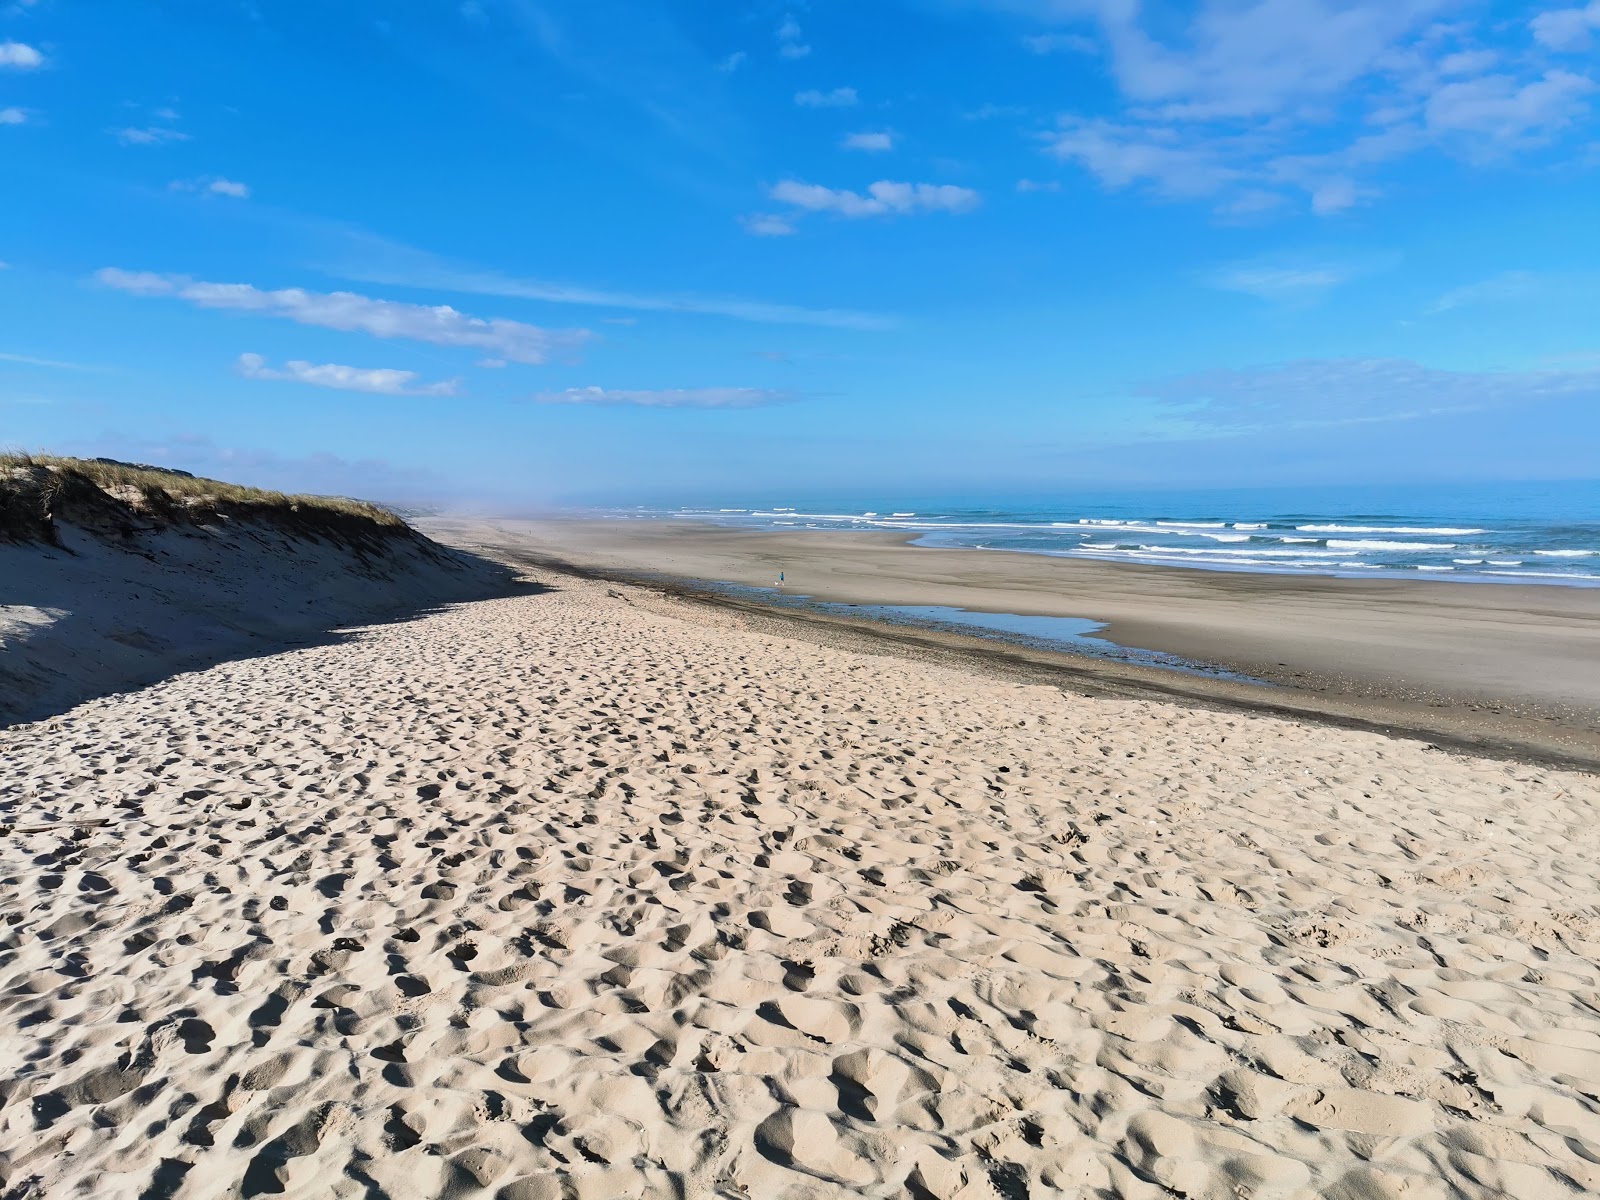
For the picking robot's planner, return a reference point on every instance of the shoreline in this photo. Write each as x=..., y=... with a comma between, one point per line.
x=1203, y=617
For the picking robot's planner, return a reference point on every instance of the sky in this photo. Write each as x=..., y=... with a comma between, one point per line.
x=529, y=252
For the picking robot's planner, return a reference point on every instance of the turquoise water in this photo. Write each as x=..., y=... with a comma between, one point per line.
x=1507, y=533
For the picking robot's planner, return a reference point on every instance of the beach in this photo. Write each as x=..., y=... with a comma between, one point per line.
x=599, y=891
x=1500, y=667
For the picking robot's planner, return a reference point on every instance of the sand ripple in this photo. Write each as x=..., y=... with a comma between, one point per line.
x=594, y=895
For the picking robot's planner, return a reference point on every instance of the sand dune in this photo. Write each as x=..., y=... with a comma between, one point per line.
x=97, y=613
x=596, y=894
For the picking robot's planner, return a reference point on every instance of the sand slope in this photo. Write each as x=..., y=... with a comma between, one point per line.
x=586, y=894
x=100, y=613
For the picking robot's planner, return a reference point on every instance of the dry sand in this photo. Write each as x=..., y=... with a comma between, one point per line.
x=597, y=894
x=1507, y=668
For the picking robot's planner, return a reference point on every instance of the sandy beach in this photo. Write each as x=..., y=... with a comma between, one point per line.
x=594, y=892
x=1499, y=668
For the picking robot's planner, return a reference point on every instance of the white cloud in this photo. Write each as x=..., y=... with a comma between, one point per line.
x=841, y=97
x=881, y=198
x=13, y=116
x=1038, y=185
x=1054, y=43
x=1567, y=29
x=732, y=62
x=1327, y=392
x=1507, y=286
x=768, y=225
x=1229, y=101
x=377, y=260
x=20, y=56
x=348, y=312
x=375, y=381
x=1124, y=155
x=155, y=135
x=1282, y=283
x=874, y=143
x=1496, y=110
x=27, y=360
x=213, y=185
x=791, y=43
x=668, y=397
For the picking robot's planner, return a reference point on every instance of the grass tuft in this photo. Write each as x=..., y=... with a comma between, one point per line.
x=38, y=490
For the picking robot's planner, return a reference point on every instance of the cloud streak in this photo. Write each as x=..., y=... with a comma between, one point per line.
x=377, y=381
x=883, y=198
x=389, y=264
x=349, y=312
x=736, y=397
x=1347, y=391
x=840, y=97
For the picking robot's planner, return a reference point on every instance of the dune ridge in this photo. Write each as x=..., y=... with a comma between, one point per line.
x=594, y=893
x=114, y=575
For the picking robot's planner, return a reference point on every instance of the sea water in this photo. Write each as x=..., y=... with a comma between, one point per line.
x=1508, y=533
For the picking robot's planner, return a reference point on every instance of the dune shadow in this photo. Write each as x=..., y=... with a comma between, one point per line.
x=94, y=617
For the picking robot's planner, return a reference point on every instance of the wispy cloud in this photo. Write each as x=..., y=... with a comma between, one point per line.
x=27, y=360
x=769, y=225
x=1507, y=286
x=1348, y=391
x=20, y=56
x=880, y=199
x=13, y=116
x=348, y=312
x=153, y=135
x=1227, y=104
x=733, y=62
x=1567, y=30
x=739, y=397
x=377, y=381
x=1294, y=282
x=791, y=42
x=872, y=142
x=212, y=185
x=1056, y=43
x=840, y=97
x=378, y=261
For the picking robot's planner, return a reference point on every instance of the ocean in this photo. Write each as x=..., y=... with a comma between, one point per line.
x=1503, y=533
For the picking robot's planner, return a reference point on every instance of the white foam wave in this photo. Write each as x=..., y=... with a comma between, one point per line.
x=1211, y=551
x=1566, y=553
x=1435, y=529
x=1193, y=524
x=1249, y=524
x=1360, y=544
x=1421, y=567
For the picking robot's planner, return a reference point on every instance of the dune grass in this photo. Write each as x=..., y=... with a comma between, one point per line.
x=37, y=490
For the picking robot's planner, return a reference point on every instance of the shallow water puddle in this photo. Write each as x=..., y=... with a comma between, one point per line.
x=1071, y=635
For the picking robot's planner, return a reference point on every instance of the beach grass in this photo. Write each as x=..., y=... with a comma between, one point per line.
x=37, y=490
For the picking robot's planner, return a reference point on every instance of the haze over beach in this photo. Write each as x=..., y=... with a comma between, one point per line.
x=955, y=599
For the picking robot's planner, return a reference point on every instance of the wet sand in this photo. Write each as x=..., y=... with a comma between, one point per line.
x=1511, y=669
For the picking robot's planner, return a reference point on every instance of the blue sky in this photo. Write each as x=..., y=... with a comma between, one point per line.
x=524, y=251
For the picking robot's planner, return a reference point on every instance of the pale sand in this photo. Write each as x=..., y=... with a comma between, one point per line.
x=594, y=893
x=1509, y=668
